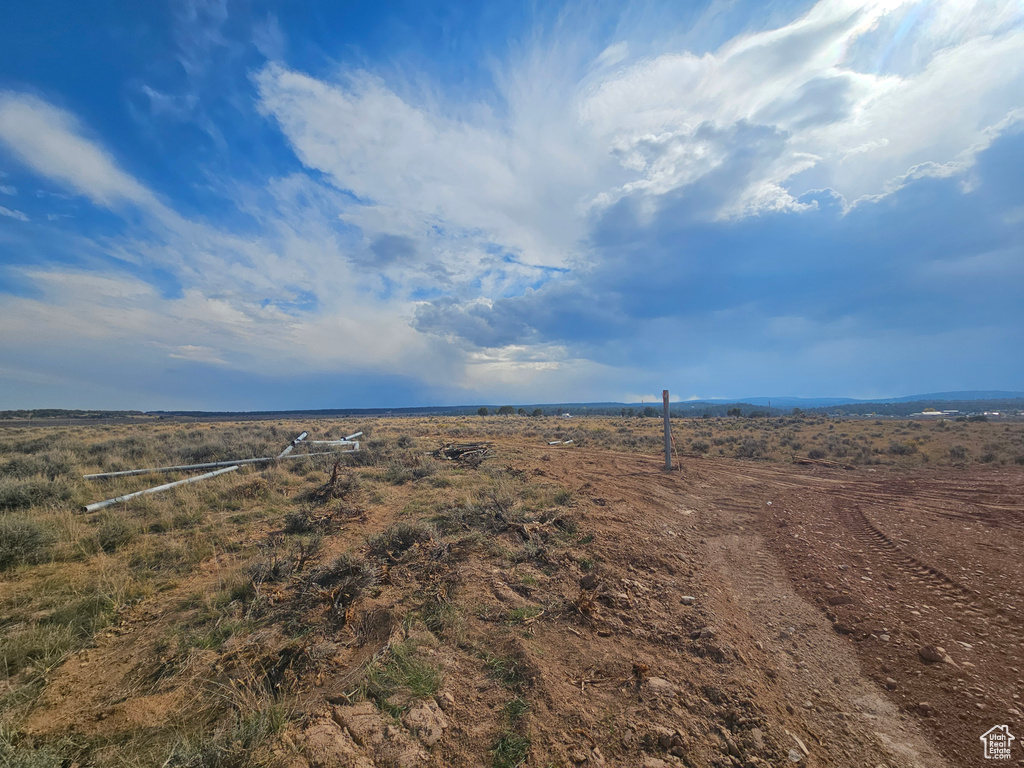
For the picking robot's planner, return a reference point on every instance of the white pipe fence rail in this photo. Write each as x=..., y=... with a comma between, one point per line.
x=228, y=466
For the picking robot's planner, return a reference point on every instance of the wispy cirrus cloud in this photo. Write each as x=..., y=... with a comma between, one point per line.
x=50, y=141
x=13, y=214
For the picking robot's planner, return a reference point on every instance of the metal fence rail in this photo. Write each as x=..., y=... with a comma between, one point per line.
x=228, y=466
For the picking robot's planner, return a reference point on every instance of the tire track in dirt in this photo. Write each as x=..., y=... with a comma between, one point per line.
x=833, y=705
x=781, y=641
x=933, y=579
x=902, y=576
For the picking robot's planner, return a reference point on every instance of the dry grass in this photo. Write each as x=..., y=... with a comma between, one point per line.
x=263, y=565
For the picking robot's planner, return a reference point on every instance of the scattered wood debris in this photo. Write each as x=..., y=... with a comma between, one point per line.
x=466, y=453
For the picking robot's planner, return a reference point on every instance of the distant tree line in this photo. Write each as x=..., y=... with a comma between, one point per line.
x=508, y=410
x=61, y=413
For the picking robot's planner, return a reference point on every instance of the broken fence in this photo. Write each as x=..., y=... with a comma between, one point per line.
x=350, y=443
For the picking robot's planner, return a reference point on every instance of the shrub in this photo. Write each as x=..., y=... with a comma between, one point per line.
x=396, y=474
x=344, y=580
x=29, y=466
x=563, y=497
x=401, y=671
x=21, y=495
x=114, y=532
x=392, y=543
x=511, y=750
x=301, y=521
x=42, y=645
x=902, y=449
x=751, y=448
x=22, y=540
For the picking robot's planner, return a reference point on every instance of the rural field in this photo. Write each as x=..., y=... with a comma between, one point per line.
x=536, y=604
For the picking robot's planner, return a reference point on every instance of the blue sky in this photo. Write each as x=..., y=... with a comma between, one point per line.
x=257, y=205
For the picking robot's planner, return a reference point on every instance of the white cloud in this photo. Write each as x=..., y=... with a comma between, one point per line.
x=801, y=81
x=577, y=128
x=50, y=141
x=7, y=189
x=80, y=310
x=426, y=195
x=517, y=183
x=13, y=214
x=197, y=353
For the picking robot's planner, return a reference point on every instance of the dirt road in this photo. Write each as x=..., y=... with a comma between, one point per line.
x=822, y=588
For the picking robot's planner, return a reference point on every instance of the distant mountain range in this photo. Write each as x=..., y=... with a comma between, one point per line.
x=970, y=401
x=824, y=402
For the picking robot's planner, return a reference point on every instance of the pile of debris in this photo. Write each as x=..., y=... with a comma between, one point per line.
x=465, y=453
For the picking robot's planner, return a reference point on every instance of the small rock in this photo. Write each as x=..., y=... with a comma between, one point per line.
x=427, y=722
x=363, y=721
x=807, y=704
x=655, y=762
x=733, y=749
x=840, y=600
x=795, y=756
x=757, y=739
x=324, y=743
x=660, y=686
x=667, y=738
x=589, y=581
x=578, y=756
x=932, y=653
x=925, y=708
x=688, y=599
